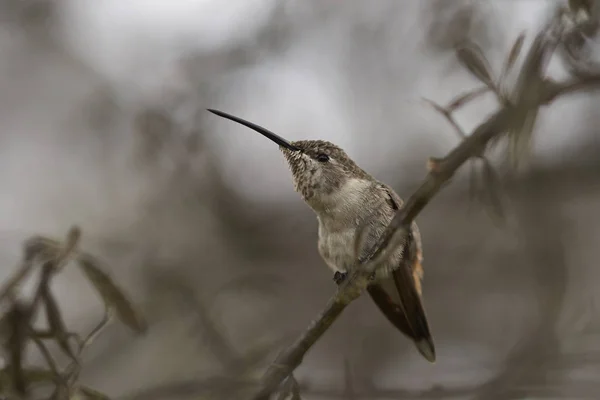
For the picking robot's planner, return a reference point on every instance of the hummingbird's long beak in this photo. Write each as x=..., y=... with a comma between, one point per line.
x=265, y=132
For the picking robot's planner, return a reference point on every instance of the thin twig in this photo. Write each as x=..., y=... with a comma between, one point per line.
x=556, y=89
x=96, y=331
x=48, y=358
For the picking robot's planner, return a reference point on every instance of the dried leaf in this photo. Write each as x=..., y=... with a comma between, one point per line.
x=513, y=54
x=465, y=98
x=114, y=298
x=472, y=58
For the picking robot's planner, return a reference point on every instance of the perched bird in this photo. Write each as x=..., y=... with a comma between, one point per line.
x=353, y=209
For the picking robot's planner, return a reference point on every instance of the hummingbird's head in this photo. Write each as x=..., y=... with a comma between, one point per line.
x=319, y=168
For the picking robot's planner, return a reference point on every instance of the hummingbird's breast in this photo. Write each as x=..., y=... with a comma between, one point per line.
x=348, y=224
x=336, y=248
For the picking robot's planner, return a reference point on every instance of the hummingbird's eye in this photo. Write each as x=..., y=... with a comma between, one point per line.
x=322, y=157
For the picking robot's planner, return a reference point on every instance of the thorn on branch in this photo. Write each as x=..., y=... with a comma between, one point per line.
x=434, y=165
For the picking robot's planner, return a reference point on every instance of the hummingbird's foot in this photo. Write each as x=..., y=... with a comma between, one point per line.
x=339, y=277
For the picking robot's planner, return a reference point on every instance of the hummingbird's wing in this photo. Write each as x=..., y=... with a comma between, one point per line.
x=399, y=295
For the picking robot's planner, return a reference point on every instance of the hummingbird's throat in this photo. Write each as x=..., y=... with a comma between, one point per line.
x=305, y=174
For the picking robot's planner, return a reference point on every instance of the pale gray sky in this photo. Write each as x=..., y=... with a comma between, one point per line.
x=304, y=91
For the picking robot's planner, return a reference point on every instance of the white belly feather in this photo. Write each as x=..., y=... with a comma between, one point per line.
x=337, y=248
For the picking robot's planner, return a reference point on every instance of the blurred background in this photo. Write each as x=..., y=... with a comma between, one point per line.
x=103, y=124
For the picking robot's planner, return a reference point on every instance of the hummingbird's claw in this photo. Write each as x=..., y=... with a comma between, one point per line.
x=339, y=277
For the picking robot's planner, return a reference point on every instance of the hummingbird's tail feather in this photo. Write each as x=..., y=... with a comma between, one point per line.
x=413, y=326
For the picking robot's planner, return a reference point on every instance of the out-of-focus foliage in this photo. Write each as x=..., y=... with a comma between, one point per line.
x=49, y=256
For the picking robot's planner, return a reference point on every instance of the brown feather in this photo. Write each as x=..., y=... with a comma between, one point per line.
x=399, y=296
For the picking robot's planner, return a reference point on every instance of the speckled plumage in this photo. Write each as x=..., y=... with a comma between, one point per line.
x=312, y=177
x=353, y=209
x=346, y=199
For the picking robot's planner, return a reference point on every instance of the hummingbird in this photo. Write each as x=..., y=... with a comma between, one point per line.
x=353, y=209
